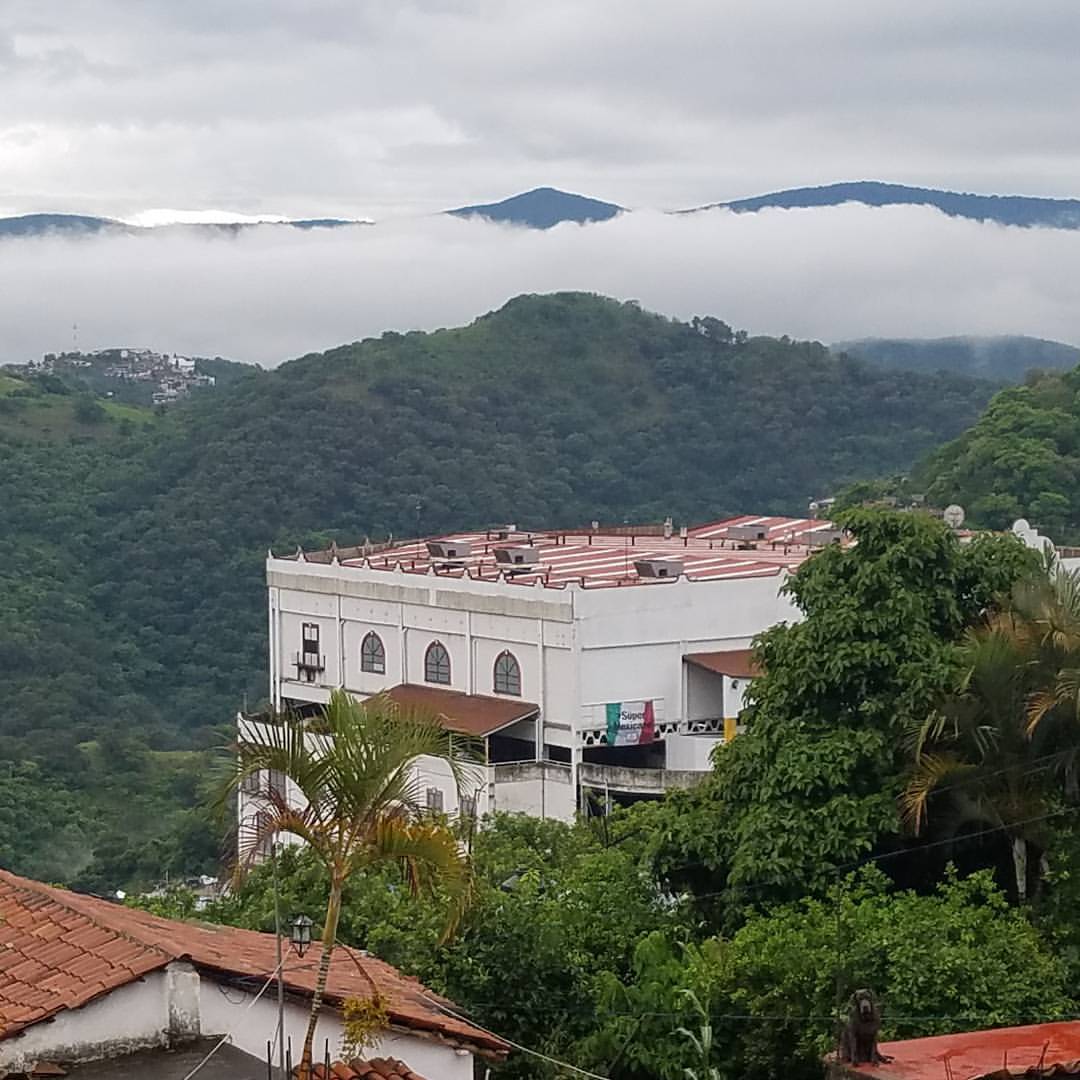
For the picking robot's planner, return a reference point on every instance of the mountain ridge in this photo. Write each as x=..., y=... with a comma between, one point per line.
x=1007, y=357
x=546, y=207
x=1026, y=211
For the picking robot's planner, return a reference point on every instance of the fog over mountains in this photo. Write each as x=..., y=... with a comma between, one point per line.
x=264, y=292
x=545, y=207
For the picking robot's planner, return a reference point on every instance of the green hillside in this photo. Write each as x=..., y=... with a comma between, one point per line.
x=1007, y=358
x=1022, y=459
x=133, y=605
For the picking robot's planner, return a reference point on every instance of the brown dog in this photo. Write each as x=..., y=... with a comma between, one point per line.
x=858, y=1041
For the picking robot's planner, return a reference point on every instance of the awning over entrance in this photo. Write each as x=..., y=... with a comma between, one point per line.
x=735, y=663
x=468, y=714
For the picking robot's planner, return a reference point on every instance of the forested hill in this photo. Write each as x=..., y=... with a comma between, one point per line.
x=1022, y=459
x=1022, y=210
x=1006, y=358
x=132, y=606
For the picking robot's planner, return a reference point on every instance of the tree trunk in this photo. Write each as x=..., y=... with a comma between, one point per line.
x=333, y=914
x=1020, y=867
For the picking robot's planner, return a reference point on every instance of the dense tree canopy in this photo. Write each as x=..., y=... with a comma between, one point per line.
x=1022, y=459
x=812, y=786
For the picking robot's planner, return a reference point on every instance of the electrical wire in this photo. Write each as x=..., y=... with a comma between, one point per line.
x=517, y=1046
x=1033, y=766
x=870, y=859
x=228, y=1035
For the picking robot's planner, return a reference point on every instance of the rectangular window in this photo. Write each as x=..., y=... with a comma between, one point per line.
x=435, y=800
x=468, y=807
x=311, y=638
x=251, y=784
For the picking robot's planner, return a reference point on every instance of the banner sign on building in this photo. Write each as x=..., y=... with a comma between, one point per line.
x=630, y=723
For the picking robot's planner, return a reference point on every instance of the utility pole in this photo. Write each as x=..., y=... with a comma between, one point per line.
x=280, y=974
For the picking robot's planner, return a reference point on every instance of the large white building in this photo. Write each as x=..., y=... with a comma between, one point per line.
x=595, y=666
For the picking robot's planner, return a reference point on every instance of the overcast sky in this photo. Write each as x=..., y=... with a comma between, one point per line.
x=380, y=107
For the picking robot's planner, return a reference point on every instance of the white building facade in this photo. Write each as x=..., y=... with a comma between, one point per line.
x=595, y=667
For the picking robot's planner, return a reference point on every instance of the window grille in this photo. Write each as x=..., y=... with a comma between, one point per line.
x=507, y=674
x=373, y=654
x=437, y=664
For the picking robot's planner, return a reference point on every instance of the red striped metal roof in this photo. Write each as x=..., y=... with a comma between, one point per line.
x=598, y=559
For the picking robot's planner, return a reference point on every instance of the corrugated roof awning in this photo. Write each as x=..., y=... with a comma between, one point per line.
x=469, y=714
x=735, y=663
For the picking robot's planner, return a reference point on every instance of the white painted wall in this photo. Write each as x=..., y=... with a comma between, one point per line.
x=577, y=648
x=690, y=752
x=538, y=789
x=132, y=1017
x=228, y=1010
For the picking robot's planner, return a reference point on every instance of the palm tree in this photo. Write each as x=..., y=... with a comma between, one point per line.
x=1048, y=613
x=975, y=761
x=354, y=768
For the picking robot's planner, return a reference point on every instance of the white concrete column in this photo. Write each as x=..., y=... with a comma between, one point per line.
x=274, y=629
x=538, y=723
x=182, y=1001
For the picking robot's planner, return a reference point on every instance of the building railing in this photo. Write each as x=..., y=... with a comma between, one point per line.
x=510, y=772
x=638, y=780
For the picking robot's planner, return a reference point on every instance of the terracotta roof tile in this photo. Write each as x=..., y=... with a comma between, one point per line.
x=469, y=714
x=735, y=663
x=375, y=1069
x=102, y=945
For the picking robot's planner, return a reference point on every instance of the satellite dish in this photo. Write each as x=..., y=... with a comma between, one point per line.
x=954, y=516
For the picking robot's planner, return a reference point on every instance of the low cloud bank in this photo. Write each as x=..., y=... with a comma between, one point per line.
x=268, y=295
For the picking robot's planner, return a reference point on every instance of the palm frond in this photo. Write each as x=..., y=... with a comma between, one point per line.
x=931, y=773
x=429, y=854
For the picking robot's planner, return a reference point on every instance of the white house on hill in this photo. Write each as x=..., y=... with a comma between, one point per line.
x=597, y=666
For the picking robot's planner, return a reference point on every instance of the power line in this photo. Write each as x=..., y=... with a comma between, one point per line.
x=898, y=854
x=467, y=1020
x=516, y=1046
x=228, y=1035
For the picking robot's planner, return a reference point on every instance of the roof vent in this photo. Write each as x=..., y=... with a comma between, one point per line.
x=501, y=532
x=658, y=568
x=819, y=538
x=449, y=551
x=517, y=557
x=746, y=534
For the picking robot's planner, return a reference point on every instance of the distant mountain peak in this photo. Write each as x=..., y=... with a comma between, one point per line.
x=541, y=208
x=1022, y=210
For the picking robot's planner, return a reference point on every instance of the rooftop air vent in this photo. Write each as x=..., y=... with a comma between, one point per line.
x=658, y=568
x=518, y=557
x=449, y=551
x=501, y=532
x=820, y=538
x=746, y=534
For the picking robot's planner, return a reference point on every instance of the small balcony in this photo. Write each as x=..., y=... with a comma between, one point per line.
x=309, y=666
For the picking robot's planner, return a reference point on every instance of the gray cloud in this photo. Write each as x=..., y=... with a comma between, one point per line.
x=271, y=294
x=395, y=106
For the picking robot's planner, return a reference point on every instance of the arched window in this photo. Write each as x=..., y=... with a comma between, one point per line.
x=373, y=654
x=507, y=674
x=437, y=664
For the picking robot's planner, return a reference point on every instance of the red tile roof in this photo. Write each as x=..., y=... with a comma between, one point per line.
x=975, y=1054
x=470, y=714
x=60, y=950
x=735, y=663
x=375, y=1069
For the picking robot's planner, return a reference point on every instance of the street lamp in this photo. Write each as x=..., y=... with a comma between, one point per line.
x=301, y=934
